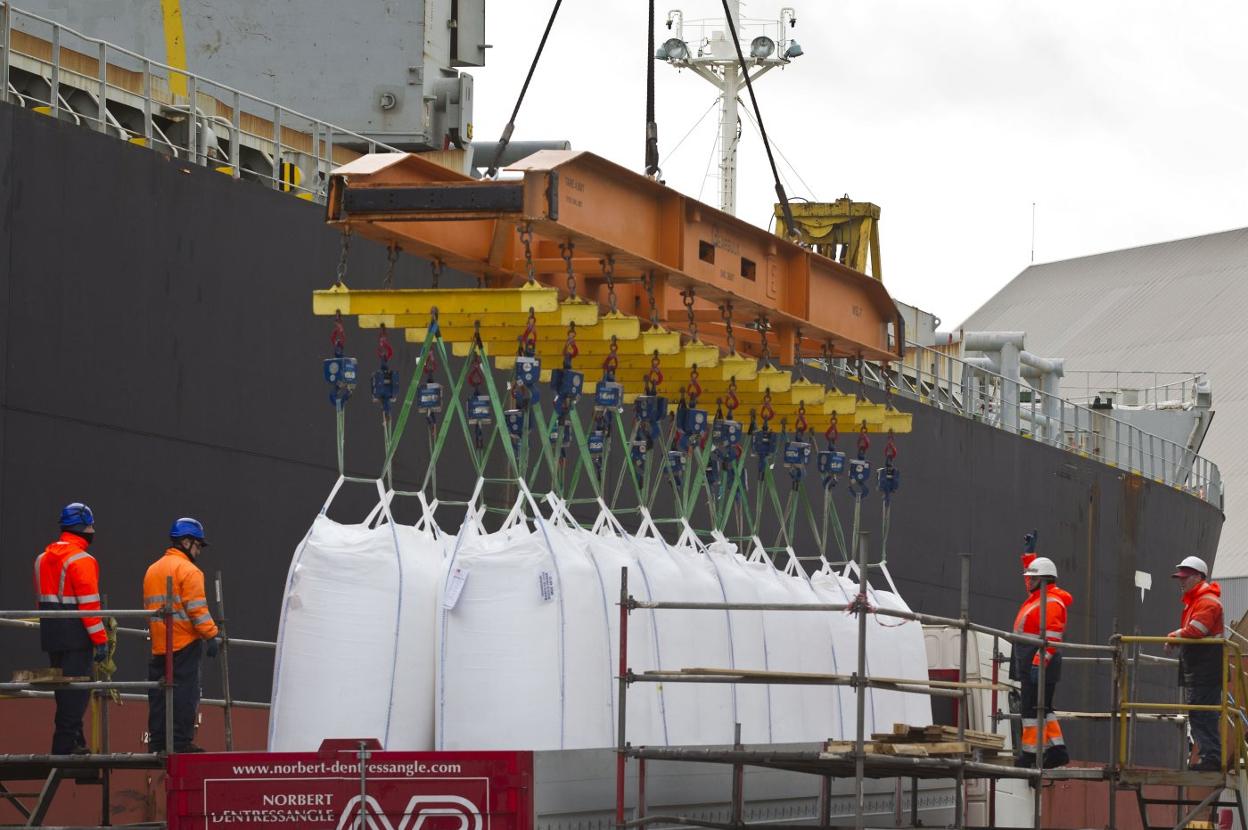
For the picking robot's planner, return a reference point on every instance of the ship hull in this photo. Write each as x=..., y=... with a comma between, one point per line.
x=160, y=359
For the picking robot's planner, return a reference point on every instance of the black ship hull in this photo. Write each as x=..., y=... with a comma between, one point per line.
x=160, y=359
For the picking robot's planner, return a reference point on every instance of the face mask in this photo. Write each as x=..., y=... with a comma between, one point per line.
x=89, y=537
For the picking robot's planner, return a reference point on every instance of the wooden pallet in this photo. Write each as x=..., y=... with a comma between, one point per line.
x=924, y=742
x=911, y=734
x=913, y=750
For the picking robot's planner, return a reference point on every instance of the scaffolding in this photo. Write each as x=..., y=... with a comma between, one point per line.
x=97, y=766
x=1196, y=790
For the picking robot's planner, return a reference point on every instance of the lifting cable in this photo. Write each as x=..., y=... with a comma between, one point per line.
x=652, y=128
x=511, y=123
x=762, y=131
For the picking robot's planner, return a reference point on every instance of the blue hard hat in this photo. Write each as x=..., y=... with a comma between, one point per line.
x=75, y=514
x=188, y=527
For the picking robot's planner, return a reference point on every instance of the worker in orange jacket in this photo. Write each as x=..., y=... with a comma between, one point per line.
x=1040, y=727
x=67, y=578
x=1201, y=666
x=192, y=626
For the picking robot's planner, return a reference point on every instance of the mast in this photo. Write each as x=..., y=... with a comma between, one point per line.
x=766, y=45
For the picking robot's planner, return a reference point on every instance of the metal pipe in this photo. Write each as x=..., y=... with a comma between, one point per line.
x=994, y=702
x=207, y=701
x=926, y=619
x=1041, y=718
x=54, y=82
x=964, y=709
x=102, y=110
x=168, y=611
x=82, y=685
x=621, y=759
x=949, y=690
x=1114, y=725
x=59, y=614
x=5, y=40
x=860, y=754
x=361, y=816
x=228, y=711
x=738, y=780
x=641, y=788
x=138, y=632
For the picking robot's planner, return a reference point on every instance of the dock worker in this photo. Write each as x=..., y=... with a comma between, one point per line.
x=67, y=578
x=1201, y=665
x=194, y=634
x=1041, y=730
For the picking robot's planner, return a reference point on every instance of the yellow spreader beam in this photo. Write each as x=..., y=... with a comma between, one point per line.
x=422, y=301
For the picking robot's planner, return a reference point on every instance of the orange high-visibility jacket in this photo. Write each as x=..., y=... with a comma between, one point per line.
x=1027, y=621
x=68, y=578
x=191, y=620
x=1202, y=612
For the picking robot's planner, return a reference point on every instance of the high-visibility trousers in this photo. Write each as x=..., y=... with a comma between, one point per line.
x=1031, y=734
x=1036, y=736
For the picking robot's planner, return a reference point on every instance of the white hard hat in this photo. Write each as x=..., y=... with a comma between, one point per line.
x=1041, y=566
x=1193, y=563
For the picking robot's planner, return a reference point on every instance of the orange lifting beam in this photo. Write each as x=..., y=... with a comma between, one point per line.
x=605, y=209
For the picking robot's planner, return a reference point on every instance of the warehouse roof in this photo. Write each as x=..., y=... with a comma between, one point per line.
x=1172, y=307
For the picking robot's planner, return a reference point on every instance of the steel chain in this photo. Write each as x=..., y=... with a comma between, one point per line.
x=648, y=282
x=392, y=258
x=342, y=258
x=725, y=311
x=565, y=251
x=526, y=239
x=435, y=271
x=764, y=347
x=686, y=297
x=608, y=273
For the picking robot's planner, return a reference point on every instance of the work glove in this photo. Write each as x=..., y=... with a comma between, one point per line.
x=1029, y=542
x=100, y=653
x=214, y=646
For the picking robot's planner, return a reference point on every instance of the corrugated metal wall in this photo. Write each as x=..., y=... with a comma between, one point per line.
x=1234, y=597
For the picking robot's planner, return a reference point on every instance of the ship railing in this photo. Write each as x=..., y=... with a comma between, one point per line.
x=65, y=74
x=1147, y=390
x=942, y=380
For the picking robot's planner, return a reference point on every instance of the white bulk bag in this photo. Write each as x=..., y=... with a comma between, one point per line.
x=612, y=550
x=825, y=707
x=500, y=679
x=333, y=673
x=589, y=721
x=905, y=639
x=421, y=549
x=783, y=644
x=748, y=638
x=831, y=587
x=697, y=713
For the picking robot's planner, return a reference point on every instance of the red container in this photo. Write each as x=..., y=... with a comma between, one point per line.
x=399, y=791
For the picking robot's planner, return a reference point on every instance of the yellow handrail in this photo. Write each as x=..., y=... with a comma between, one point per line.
x=1233, y=688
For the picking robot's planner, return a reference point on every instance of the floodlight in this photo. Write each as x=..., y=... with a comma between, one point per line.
x=794, y=50
x=675, y=49
x=660, y=54
x=762, y=47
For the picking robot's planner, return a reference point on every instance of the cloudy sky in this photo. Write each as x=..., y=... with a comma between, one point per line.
x=1125, y=122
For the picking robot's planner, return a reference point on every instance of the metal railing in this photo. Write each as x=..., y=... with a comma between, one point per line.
x=948, y=383
x=98, y=85
x=29, y=620
x=1132, y=388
